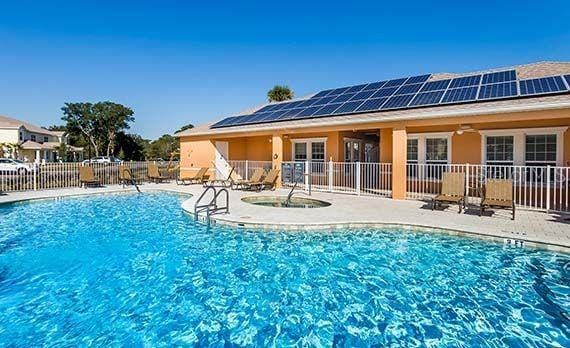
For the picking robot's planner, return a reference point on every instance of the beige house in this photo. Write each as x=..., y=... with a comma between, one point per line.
x=31, y=143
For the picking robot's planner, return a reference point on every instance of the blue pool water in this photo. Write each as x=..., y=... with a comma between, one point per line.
x=134, y=270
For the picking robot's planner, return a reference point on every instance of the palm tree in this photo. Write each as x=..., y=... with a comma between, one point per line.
x=279, y=93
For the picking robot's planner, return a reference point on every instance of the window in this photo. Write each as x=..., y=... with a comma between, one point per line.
x=352, y=150
x=412, y=150
x=436, y=150
x=500, y=150
x=540, y=150
x=46, y=139
x=33, y=137
x=300, y=151
x=21, y=136
x=318, y=151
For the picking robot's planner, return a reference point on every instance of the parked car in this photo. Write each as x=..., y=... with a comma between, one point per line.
x=12, y=166
x=103, y=159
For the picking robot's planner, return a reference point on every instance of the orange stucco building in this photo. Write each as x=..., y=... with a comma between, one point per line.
x=523, y=130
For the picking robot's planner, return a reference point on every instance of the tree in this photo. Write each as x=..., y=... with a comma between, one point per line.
x=62, y=152
x=131, y=147
x=279, y=93
x=98, y=123
x=163, y=147
x=183, y=128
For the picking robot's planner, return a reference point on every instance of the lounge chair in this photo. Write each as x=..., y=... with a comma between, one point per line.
x=197, y=178
x=221, y=182
x=87, y=177
x=238, y=184
x=267, y=183
x=498, y=193
x=126, y=176
x=452, y=190
x=154, y=174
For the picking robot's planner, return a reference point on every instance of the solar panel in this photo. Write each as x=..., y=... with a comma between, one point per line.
x=542, y=85
x=224, y=122
x=371, y=104
x=417, y=79
x=498, y=90
x=356, y=88
x=326, y=110
x=363, y=95
x=435, y=85
x=465, y=81
x=280, y=106
x=408, y=89
x=307, y=112
x=384, y=92
x=395, y=83
x=500, y=76
x=290, y=113
x=567, y=77
x=307, y=102
x=324, y=100
x=338, y=91
x=427, y=98
x=267, y=108
x=322, y=93
x=274, y=115
x=460, y=95
x=257, y=117
x=375, y=85
x=235, y=121
x=348, y=107
x=342, y=98
x=398, y=101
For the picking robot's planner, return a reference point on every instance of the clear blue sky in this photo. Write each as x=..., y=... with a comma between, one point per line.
x=175, y=62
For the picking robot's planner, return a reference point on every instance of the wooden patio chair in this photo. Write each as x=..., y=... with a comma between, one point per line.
x=227, y=182
x=498, y=193
x=126, y=176
x=197, y=178
x=267, y=183
x=87, y=177
x=452, y=190
x=239, y=183
x=154, y=174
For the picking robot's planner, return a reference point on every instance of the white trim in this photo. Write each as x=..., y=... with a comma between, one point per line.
x=310, y=140
x=421, y=137
x=519, y=142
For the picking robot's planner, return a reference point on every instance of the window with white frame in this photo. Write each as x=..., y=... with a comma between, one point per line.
x=436, y=150
x=33, y=137
x=412, y=151
x=523, y=147
x=540, y=150
x=309, y=149
x=500, y=150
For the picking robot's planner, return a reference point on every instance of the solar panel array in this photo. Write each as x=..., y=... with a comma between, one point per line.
x=404, y=93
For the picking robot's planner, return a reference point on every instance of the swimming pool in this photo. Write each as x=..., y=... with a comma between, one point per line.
x=134, y=269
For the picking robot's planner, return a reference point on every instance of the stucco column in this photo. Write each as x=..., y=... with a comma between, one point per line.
x=277, y=155
x=399, y=159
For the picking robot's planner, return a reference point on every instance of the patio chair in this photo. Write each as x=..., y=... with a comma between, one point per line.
x=498, y=193
x=221, y=182
x=239, y=184
x=267, y=183
x=126, y=176
x=197, y=178
x=87, y=177
x=154, y=174
x=452, y=190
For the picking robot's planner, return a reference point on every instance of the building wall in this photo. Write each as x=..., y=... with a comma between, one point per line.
x=196, y=154
x=8, y=136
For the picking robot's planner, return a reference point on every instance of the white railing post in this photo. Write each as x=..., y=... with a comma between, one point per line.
x=547, y=188
x=35, y=172
x=466, y=183
x=358, y=178
x=331, y=175
x=306, y=176
x=246, y=170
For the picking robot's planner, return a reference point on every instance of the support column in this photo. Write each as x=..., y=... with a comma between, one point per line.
x=399, y=159
x=277, y=155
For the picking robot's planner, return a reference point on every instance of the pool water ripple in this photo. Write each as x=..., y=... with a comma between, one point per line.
x=135, y=270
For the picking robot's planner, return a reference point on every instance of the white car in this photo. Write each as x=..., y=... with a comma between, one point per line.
x=12, y=166
x=103, y=159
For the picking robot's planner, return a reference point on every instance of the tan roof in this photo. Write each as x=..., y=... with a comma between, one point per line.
x=532, y=70
x=8, y=122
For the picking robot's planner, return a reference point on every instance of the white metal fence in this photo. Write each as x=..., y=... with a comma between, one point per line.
x=62, y=175
x=374, y=179
x=535, y=187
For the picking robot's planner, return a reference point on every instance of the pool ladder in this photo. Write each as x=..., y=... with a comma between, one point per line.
x=291, y=193
x=212, y=206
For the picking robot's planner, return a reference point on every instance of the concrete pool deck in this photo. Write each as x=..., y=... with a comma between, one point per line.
x=551, y=231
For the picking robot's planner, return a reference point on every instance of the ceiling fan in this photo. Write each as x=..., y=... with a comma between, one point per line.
x=465, y=128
